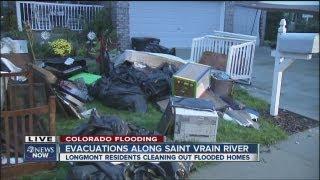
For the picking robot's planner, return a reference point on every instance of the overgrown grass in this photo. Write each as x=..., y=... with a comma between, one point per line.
x=266, y=135
x=243, y=96
x=227, y=131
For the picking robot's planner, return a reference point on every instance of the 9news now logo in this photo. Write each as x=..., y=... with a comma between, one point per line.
x=38, y=148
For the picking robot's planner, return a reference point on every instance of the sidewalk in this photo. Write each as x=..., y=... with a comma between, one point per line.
x=300, y=85
x=295, y=158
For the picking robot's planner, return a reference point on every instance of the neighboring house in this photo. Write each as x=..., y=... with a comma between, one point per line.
x=175, y=23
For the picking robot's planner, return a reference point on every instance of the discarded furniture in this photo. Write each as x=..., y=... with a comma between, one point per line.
x=239, y=49
x=17, y=123
x=59, y=67
x=190, y=119
x=191, y=80
x=290, y=46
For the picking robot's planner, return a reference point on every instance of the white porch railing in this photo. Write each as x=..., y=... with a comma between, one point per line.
x=46, y=16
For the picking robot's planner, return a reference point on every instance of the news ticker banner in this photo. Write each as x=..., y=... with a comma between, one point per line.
x=132, y=148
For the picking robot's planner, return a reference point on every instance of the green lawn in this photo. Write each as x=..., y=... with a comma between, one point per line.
x=227, y=131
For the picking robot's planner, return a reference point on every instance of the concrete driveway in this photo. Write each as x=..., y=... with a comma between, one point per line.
x=300, y=85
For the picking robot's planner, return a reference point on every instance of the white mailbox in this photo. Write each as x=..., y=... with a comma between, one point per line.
x=290, y=46
x=301, y=43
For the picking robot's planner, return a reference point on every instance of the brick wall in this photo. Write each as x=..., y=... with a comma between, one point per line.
x=228, y=16
x=120, y=19
x=263, y=21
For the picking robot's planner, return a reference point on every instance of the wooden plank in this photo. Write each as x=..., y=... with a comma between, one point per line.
x=37, y=110
x=10, y=93
x=30, y=124
x=15, y=135
x=52, y=115
x=23, y=130
x=7, y=134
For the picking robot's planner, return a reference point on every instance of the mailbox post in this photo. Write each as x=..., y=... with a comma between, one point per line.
x=290, y=46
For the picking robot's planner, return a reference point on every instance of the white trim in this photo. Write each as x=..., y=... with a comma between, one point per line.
x=18, y=13
x=222, y=16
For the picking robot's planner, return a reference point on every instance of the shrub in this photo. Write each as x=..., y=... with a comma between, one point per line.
x=61, y=47
x=42, y=51
x=102, y=26
x=8, y=19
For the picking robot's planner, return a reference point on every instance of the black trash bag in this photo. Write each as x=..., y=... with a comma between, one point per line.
x=119, y=95
x=145, y=171
x=127, y=73
x=139, y=43
x=157, y=85
x=127, y=87
x=157, y=48
x=97, y=171
x=103, y=125
x=84, y=172
x=177, y=170
x=134, y=130
x=150, y=45
x=107, y=125
x=111, y=171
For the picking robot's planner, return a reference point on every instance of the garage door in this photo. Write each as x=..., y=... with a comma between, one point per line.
x=175, y=23
x=246, y=21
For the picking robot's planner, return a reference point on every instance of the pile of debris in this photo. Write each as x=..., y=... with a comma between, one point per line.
x=130, y=85
x=111, y=125
x=71, y=86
